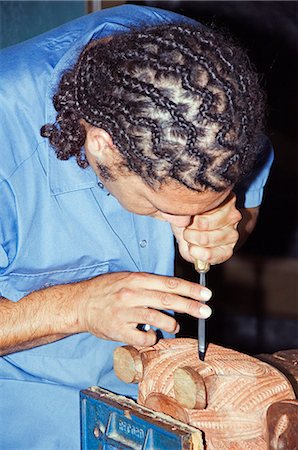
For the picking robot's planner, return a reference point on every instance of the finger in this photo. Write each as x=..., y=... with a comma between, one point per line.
x=166, y=285
x=214, y=255
x=154, y=318
x=218, y=219
x=157, y=300
x=224, y=215
x=224, y=236
x=133, y=336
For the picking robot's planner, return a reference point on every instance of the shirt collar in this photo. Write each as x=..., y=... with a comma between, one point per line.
x=67, y=176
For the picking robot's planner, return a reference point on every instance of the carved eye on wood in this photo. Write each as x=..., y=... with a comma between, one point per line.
x=189, y=387
x=128, y=364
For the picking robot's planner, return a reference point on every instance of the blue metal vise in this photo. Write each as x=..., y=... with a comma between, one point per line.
x=110, y=421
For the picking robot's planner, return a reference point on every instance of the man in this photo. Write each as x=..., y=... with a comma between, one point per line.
x=161, y=122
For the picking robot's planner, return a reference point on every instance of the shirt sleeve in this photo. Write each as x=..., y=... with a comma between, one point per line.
x=8, y=227
x=250, y=191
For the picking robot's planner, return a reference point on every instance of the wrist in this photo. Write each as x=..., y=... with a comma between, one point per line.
x=81, y=304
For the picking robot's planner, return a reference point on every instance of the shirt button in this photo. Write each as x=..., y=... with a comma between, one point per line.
x=143, y=243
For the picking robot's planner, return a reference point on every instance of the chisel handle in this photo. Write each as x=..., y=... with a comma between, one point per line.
x=201, y=266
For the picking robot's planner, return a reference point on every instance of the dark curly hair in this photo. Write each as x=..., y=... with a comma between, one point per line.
x=179, y=101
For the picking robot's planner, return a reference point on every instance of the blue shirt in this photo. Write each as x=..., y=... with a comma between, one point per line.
x=59, y=225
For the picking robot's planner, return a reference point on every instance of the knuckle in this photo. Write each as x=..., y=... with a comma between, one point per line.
x=207, y=254
x=203, y=223
x=171, y=325
x=204, y=239
x=141, y=340
x=201, y=253
x=148, y=315
x=137, y=278
x=146, y=339
x=225, y=255
x=186, y=234
x=125, y=293
x=193, y=290
x=237, y=216
x=131, y=277
x=166, y=322
x=172, y=282
x=141, y=276
x=165, y=299
x=150, y=339
x=191, y=308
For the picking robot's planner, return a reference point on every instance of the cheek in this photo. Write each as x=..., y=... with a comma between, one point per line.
x=136, y=205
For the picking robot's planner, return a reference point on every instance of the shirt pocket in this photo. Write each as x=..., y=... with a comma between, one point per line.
x=17, y=285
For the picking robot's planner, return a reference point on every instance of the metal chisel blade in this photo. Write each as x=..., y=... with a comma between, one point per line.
x=201, y=324
x=202, y=267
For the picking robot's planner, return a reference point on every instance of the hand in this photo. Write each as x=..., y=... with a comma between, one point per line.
x=111, y=306
x=211, y=236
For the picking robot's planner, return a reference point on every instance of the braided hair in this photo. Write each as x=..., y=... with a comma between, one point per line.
x=179, y=101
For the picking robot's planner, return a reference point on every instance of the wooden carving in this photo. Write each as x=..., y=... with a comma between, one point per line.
x=282, y=425
x=226, y=396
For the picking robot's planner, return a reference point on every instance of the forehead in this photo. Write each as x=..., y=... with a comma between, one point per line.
x=174, y=198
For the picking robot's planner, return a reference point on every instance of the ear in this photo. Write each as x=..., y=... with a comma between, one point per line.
x=98, y=143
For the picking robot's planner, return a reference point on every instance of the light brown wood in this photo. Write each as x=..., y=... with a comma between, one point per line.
x=166, y=405
x=239, y=390
x=128, y=364
x=189, y=388
x=282, y=425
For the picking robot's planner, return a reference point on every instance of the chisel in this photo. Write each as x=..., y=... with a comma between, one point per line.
x=202, y=267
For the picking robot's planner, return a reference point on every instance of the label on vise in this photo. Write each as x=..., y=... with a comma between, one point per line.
x=125, y=431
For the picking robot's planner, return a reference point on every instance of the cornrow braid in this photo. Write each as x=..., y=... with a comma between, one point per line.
x=180, y=102
x=164, y=102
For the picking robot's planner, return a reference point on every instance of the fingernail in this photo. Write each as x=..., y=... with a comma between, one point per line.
x=205, y=311
x=206, y=294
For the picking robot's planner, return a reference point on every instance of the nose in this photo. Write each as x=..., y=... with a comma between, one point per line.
x=179, y=221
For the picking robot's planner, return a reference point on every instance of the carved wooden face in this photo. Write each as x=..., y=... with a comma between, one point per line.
x=226, y=396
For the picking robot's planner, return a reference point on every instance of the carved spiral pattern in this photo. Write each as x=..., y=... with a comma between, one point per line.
x=239, y=390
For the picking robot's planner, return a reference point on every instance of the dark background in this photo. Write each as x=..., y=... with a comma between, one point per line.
x=255, y=299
